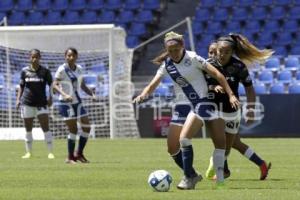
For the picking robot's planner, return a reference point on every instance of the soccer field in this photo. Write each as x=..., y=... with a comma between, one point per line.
x=119, y=170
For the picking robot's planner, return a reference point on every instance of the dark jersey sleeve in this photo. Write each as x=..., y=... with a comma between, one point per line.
x=210, y=80
x=49, y=77
x=22, y=79
x=245, y=77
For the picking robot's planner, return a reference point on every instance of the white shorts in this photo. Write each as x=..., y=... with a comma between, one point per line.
x=32, y=112
x=232, y=121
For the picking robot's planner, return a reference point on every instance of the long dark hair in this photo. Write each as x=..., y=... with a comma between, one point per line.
x=245, y=50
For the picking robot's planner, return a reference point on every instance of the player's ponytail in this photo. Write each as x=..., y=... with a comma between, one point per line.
x=245, y=50
x=158, y=60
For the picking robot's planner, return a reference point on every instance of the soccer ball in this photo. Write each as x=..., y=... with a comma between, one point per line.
x=160, y=180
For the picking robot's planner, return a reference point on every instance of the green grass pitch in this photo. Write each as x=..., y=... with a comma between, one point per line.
x=119, y=170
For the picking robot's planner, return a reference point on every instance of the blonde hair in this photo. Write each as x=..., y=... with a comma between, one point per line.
x=170, y=36
x=245, y=50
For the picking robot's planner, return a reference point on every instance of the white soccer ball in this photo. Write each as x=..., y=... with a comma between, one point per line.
x=160, y=180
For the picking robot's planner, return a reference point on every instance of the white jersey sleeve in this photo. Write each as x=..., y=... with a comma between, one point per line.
x=59, y=74
x=200, y=62
x=162, y=70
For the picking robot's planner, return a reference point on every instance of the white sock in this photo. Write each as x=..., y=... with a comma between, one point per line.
x=49, y=141
x=248, y=153
x=218, y=160
x=28, y=141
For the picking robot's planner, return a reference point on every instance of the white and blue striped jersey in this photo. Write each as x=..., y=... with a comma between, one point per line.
x=70, y=81
x=190, y=84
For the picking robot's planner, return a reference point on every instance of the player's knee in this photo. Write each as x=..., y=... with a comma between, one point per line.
x=48, y=136
x=185, y=142
x=28, y=137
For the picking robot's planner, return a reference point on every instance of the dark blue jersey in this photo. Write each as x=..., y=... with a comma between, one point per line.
x=235, y=72
x=34, y=86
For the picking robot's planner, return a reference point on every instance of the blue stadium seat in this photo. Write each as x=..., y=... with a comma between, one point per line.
x=203, y=15
x=298, y=76
x=233, y=27
x=278, y=13
x=214, y=28
x=295, y=50
x=88, y=17
x=132, y=41
x=60, y=5
x=163, y=91
x=138, y=29
x=280, y=50
x=260, y=88
x=2, y=81
x=259, y=13
x=277, y=88
x=42, y=5
x=266, y=76
x=167, y=81
x=35, y=18
x=24, y=5
x=113, y=5
x=285, y=3
x=240, y=14
x=205, y=41
x=17, y=18
x=252, y=26
x=228, y=3
x=53, y=17
x=6, y=5
x=2, y=15
x=265, y=39
x=77, y=5
x=91, y=80
x=126, y=16
x=95, y=5
x=294, y=88
x=284, y=38
x=132, y=4
x=294, y=13
x=71, y=17
x=271, y=26
x=144, y=16
x=220, y=15
x=241, y=90
x=264, y=3
x=285, y=76
x=292, y=63
x=202, y=51
x=197, y=28
x=99, y=68
x=107, y=17
x=246, y=3
x=273, y=64
x=291, y=26
x=151, y=4
x=208, y=4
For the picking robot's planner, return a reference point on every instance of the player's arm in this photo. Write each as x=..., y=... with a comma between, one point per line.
x=20, y=90
x=49, y=82
x=149, y=89
x=86, y=89
x=57, y=88
x=212, y=71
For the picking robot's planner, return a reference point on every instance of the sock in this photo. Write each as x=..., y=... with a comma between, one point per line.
x=218, y=160
x=28, y=141
x=71, y=144
x=251, y=155
x=178, y=160
x=187, y=157
x=226, y=169
x=49, y=141
x=82, y=142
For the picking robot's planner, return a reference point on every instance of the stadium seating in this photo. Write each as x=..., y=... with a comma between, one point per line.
x=273, y=64
x=266, y=76
x=42, y=5
x=285, y=76
x=35, y=18
x=6, y=5
x=77, y=5
x=260, y=89
x=60, y=5
x=24, y=5
x=113, y=5
x=241, y=90
x=292, y=63
x=95, y=5
x=277, y=88
x=52, y=17
x=88, y=17
x=294, y=88
x=17, y=18
x=71, y=17
x=132, y=5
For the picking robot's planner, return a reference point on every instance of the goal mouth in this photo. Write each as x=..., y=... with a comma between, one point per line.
x=107, y=66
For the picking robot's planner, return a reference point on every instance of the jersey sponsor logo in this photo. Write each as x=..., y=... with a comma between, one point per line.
x=248, y=79
x=187, y=62
x=181, y=81
x=34, y=79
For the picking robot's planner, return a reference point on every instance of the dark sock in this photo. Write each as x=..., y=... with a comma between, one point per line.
x=187, y=160
x=226, y=169
x=81, y=145
x=71, y=147
x=256, y=159
x=178, y=160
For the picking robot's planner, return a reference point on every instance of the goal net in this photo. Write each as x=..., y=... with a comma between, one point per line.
x=106, y=62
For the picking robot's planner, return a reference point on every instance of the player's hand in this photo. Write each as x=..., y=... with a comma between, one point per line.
x=219, y=89
x=139, y=99
x=94, y=97
x=250, y=115
x=18, y=103
x=67, y=97
x=235, y=103
x=49, y=102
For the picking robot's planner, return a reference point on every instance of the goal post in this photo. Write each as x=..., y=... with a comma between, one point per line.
x=107, y=65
